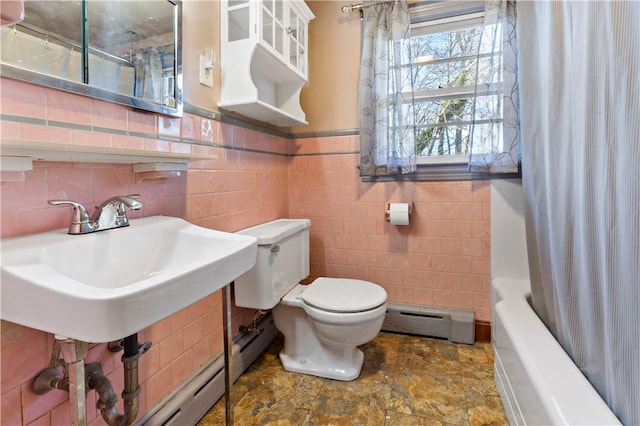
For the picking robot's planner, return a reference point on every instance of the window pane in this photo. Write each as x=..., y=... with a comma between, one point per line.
x=445, y=125
x=437, y=75
x=444, y=111
x=453, y=139
x=431, y=74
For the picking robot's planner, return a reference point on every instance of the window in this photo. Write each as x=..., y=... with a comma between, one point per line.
x=444, y=44
x=447, y=80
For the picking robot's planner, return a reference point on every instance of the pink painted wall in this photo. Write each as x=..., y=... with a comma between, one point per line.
x=442, y=258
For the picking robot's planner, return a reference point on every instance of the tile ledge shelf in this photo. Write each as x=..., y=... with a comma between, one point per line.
x=18, y=155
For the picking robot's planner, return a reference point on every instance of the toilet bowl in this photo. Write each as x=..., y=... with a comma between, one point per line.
x=323, y=340
x=323, y=322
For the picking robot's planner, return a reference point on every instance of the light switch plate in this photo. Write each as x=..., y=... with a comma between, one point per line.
x=205, y=75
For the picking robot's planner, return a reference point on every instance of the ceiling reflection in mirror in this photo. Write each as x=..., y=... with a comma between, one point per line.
x=129, y=51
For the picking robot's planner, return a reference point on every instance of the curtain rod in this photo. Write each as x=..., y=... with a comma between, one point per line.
x=360, y=6
x=352, y=7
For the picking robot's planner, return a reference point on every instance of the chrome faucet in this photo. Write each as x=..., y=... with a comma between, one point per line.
x=108, y=215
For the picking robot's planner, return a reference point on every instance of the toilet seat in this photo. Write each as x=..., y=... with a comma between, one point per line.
x=354, y=295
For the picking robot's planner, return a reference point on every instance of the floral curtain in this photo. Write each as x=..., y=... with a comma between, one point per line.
x=495, y=135
x=387, y=133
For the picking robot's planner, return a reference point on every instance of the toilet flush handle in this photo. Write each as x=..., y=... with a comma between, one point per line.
x=275, y=248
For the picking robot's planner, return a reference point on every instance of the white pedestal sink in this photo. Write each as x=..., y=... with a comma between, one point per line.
x=107, y=285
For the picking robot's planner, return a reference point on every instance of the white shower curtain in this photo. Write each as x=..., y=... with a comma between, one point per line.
x=37, y=54
x=110, y=75
x=148, y=80
x=580, y=123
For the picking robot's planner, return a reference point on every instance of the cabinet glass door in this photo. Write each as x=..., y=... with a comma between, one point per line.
x=238, y=20
x=273, y=28
x=279, y=26
x=297, y=42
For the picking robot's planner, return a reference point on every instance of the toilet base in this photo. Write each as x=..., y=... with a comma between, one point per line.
x=305, y=352
x=323, y=364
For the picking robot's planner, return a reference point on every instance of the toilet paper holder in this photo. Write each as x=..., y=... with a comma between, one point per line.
x=387, y=212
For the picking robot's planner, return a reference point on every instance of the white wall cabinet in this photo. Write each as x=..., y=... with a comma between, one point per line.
x=264, y=59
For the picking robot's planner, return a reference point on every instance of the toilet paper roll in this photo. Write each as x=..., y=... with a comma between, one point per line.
x=399, y=213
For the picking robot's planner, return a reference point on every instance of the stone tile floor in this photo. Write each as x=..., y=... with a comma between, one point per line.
x=406, y=380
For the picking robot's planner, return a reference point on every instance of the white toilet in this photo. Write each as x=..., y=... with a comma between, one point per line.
x=323, y=322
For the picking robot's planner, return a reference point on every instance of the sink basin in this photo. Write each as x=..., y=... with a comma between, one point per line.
x=108, y=285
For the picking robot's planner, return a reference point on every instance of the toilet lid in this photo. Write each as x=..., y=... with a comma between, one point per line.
x=344, y=295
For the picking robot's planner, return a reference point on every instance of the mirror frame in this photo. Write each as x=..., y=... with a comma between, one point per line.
x=34, y=77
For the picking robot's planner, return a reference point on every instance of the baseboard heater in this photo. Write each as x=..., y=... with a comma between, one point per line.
x=187, y=404
x=456, y=325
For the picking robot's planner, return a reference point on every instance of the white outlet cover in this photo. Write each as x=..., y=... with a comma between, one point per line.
x=205, y=76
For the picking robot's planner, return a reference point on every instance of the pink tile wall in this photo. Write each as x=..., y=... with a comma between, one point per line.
x=236, y=189
x=441, y=258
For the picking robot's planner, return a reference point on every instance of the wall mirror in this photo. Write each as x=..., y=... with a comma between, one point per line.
x=123, y=51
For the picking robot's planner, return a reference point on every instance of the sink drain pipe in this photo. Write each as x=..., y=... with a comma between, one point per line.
x=106, y=396
x=73, y=364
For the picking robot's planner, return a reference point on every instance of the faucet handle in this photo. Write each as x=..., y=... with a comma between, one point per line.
x=80, y=220
x=80, y=214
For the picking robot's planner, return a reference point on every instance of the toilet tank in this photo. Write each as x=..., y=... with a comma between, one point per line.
x=283, y=260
